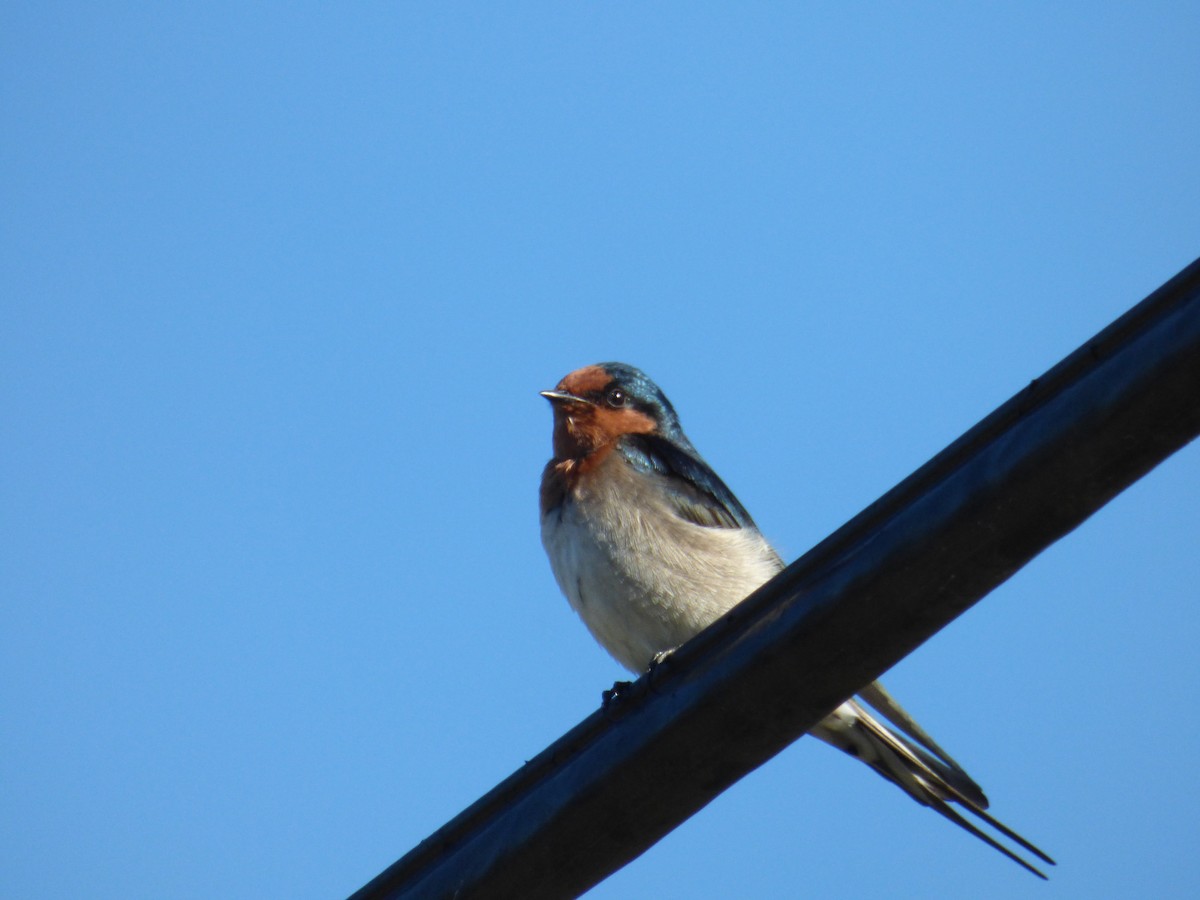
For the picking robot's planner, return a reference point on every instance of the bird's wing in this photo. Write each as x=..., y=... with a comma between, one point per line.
x=697, y=492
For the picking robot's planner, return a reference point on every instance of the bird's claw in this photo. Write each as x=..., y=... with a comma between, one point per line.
x=613, y=695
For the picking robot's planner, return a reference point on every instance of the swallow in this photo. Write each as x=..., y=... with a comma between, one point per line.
x=650, y=547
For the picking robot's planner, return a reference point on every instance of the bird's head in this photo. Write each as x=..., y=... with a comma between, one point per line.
x=596, y=405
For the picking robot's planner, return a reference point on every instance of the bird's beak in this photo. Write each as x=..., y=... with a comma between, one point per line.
x=563, y=397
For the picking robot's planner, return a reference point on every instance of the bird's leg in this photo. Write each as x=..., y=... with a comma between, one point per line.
x=659, y=668
x=659, y=659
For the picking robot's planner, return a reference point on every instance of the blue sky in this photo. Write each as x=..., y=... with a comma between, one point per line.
x=280, y=285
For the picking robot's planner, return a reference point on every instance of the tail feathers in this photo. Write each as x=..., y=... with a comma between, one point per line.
x=919, y=767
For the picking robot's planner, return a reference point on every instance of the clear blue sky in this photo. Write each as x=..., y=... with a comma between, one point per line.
x=280, y=283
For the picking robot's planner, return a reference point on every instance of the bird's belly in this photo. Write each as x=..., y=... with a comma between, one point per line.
x=642, y=579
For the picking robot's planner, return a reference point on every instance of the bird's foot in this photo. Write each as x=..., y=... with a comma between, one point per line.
x=613, y=696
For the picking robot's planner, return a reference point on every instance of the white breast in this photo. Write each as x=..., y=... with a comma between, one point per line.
x=642, y=579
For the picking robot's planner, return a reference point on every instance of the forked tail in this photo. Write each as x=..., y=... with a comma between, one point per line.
x=911, y=759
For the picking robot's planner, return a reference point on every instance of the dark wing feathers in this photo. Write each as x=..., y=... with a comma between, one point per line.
x=700, y=496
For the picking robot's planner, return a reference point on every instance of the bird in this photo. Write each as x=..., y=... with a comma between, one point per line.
x=650, y=546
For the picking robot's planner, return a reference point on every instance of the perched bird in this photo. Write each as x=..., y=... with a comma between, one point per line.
x=650, y=547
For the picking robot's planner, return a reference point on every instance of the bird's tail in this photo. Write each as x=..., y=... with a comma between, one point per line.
x=909, y=758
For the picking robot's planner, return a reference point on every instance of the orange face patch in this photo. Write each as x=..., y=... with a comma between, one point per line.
x=581, y=431
x=586, y=432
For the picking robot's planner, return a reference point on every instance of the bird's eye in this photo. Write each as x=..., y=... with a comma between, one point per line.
x=616, y=398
